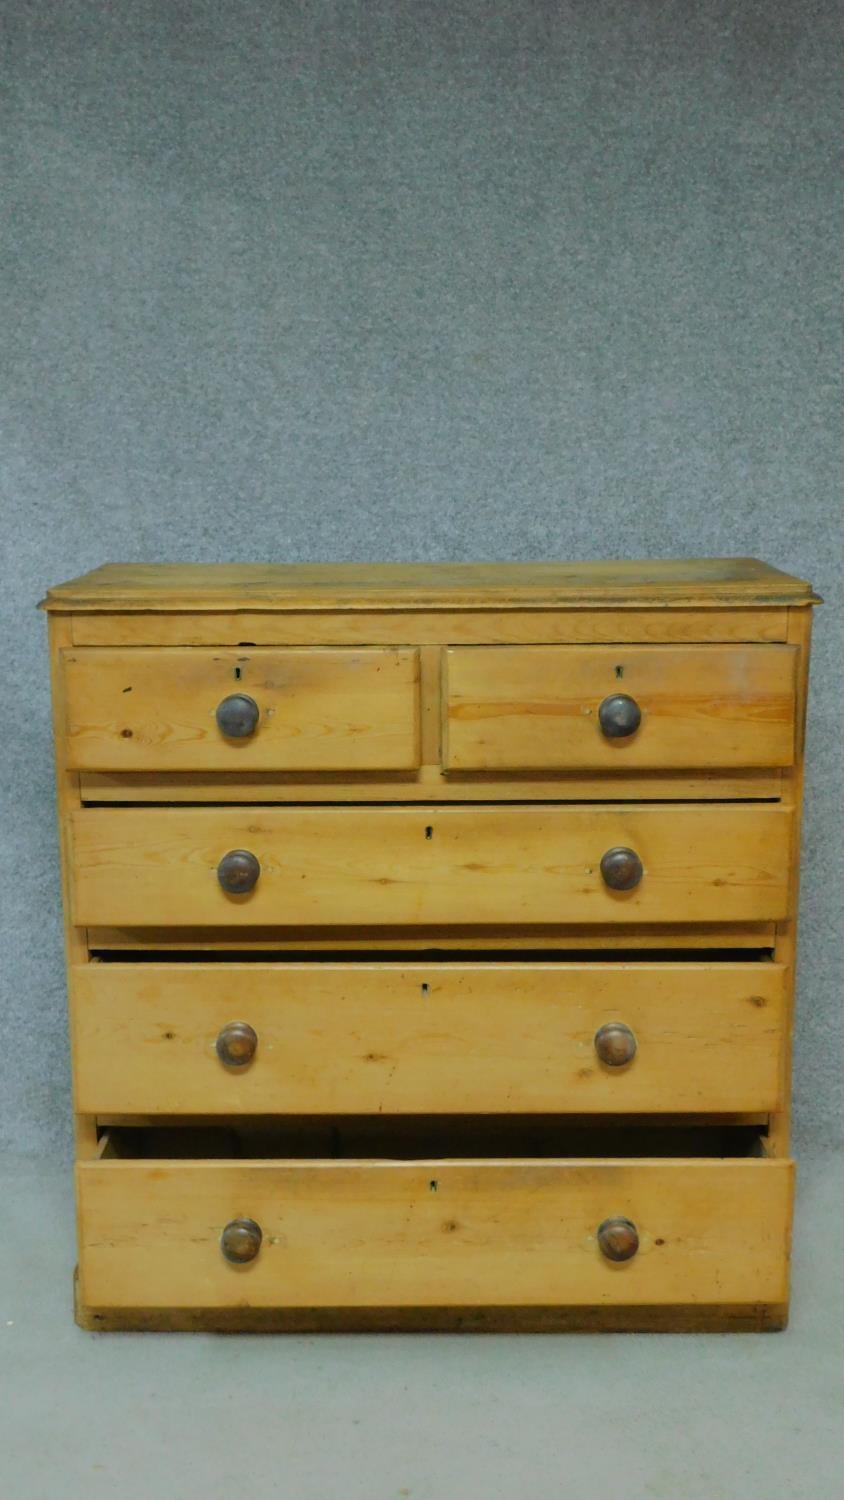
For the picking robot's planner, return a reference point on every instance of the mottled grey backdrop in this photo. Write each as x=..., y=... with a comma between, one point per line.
x=391, y=279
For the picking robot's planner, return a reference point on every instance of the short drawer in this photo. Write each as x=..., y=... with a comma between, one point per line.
x=387, y=866
x=433, y=1232
x=617, y=708
x=252, y=709
x=321, y=1038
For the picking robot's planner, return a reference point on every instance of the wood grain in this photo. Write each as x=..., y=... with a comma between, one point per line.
x=476, y=626
x=320, y=709
x=68, y=799
x=800, y=634
x=756, y=1317
x=487, y=866
x=414, y=821
x=404, y=1039
x=734, y=581
x=457, y=940
x=536, y=707
x=436, y=1233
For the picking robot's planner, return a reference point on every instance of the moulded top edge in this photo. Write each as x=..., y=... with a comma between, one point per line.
x=378, y=587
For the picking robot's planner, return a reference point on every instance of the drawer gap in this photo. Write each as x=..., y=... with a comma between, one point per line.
x=603, y=797
x=447, y=1138
x=420, y=957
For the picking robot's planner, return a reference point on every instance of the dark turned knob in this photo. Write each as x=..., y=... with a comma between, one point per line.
x=236, y=1044
x=237, y=716
x=619, y=716
x=238, y=872
x=615, y=1044
x=622, y=869
x=240, y=1241
x=618, y=1239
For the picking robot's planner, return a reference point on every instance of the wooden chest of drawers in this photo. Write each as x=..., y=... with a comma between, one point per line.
x=431, y=937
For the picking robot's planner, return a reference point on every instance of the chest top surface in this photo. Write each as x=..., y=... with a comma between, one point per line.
x=732, y=582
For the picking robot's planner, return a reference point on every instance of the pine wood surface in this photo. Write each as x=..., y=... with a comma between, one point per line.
x=486, y=866
x=433, y=1232
x=320, y=709
x=477, y=626
x=759, y=1317
x=688, y=582
x=390, y=1039
x=536, y=707
x=428, y=737
x=457, y=940
x=800, y=633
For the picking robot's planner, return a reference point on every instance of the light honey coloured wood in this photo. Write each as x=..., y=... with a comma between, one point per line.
x=517, y=1232
x=427, y=784
x=456, y=940
x=477, y=625
x=664, y=583
x=451, y=765
x=485, y=866
x=317, y=710
x=407, y=1039
x=537, y=707
x=800, y=633
x=68, y=799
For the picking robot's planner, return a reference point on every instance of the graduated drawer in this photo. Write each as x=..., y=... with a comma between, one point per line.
x=377, y=866
x=315, y=709
x=432, y=1233
x=319, y=1038
x=510, y=708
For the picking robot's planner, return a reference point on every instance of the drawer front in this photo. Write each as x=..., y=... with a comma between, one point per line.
x=435, y=1233
x=317, y=709
x=436, y=866
x=422, y=1039
x=539, y=707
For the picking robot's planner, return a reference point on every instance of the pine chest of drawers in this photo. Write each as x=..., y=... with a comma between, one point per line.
x=430, y=941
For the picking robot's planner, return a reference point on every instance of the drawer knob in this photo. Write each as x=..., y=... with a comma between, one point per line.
x=238, y=872
x=618, y=1239
x=615, y=1044
x=237, y=716
x=619, y=716
x=237, y=1044
x=622, y=869
x=240, y=1241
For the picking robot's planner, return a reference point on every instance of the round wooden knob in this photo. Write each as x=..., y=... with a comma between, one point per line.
x=618, y=1239
x=237, y=716
x=238, y=872
x=236, y=1044
x=615, y=1044
x=619, y=716
x=622, y=869
x=240, y=1241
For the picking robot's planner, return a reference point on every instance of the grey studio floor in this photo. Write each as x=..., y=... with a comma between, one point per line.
x=416, y=1417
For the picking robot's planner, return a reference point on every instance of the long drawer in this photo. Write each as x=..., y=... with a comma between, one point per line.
x=433, y=1232
x=618, y=708
x=254, y=709
x=321, y=1038
x=485, y=866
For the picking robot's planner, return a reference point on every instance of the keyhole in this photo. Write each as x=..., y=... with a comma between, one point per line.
x=619, y=671
x=429, y=832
